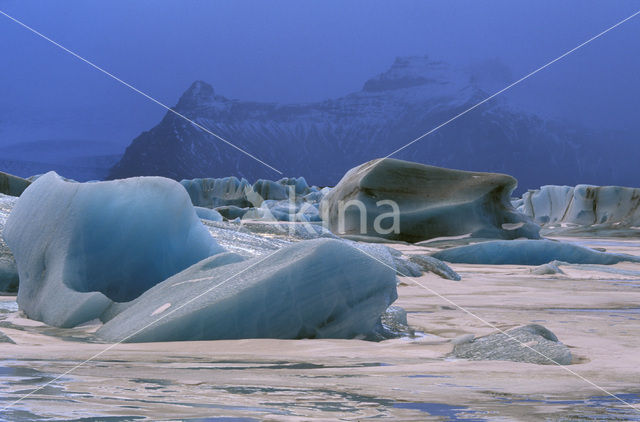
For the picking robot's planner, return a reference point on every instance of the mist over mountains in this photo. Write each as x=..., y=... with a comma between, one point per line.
x=77, y=159
x=322, y=140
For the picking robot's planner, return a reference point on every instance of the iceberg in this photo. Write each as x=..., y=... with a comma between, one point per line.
x=212, y=193
x=528, y=252
x=567, y=208
x=79, y=247
x=321, y=288
x=432, y=202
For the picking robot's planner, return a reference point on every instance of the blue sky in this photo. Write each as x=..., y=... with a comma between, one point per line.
x=297, y=51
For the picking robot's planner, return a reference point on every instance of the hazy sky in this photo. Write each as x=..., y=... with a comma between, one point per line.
x=293, y=51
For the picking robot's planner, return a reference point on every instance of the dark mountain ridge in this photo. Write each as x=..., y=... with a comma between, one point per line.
x=322, y=140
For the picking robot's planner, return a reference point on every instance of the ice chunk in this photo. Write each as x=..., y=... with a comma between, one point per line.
x=208, y=214
x=311, y=289
x=80, y=246
x=268, y=189
x=544, y=347
x=8, y=274
x=549, y=268
x=8, y=270
x=431, y=202
x=212, y=193
x=528, y=252
x=12, y=185
x=431, y=264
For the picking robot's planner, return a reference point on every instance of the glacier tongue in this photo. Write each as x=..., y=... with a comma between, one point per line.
x=320, y=288
x=80, y=246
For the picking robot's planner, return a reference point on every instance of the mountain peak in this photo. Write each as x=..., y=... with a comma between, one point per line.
x=198, y=93
x=413, y=71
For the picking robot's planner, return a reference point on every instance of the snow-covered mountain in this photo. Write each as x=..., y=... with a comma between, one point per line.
x=322, y=140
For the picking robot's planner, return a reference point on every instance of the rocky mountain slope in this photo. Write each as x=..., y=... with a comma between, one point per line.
x=322, y=140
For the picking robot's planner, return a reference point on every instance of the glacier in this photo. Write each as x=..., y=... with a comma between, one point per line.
x=321, y=288
x=583, y=208
x=79, y=247
x=528, y=252
x=432, y=202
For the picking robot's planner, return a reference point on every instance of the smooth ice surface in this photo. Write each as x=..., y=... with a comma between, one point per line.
x=583, y=205
x=432, y=201
x=528, y=252
x=311, y=289
x=80, y=246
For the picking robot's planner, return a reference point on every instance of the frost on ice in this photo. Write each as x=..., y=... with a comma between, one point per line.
x=81, y=246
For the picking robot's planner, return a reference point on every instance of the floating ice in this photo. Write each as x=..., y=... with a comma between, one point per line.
x=312, y=289
x=80, y=246
x=528, y=252
x=431, y=201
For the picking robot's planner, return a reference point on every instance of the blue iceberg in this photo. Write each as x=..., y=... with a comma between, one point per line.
x=321, y=288
x=79, y=247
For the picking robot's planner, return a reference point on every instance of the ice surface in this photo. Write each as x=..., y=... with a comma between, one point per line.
x=80, y=246
x=236, y=238
x=432, y=201
x=528, y=252
x=311, y=289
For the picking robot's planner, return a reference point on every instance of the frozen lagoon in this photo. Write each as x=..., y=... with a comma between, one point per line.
x=589, y=309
